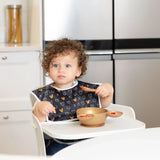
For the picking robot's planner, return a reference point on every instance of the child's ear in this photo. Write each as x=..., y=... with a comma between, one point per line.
x=79, y=72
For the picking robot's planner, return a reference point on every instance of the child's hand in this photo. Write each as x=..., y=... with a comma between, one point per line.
x=105, y=91
x=45, y=107
x=42, y=109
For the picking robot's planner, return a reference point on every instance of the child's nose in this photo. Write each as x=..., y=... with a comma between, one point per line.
x=61, y=69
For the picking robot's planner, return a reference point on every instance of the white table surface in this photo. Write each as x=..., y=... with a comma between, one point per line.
x=141, y=144
x=74, y=131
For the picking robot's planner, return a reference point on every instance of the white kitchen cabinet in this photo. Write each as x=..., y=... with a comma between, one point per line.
x=20, y=67
x=20, y=73
x=18, y=134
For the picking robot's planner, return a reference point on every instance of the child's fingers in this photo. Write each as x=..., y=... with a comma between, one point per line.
x=48, y=109
x=53, y=109
x=100, y=91
x=45, y=112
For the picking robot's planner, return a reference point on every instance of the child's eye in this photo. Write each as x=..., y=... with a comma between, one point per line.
x=68, y=65
x=55, y=65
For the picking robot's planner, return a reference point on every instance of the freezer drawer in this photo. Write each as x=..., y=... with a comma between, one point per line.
x=137, y=84
x=100, y=69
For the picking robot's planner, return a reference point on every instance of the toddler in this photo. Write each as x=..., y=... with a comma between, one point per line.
x=65, y=61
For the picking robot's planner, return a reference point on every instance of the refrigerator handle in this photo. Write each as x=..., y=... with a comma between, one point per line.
x=136, y=56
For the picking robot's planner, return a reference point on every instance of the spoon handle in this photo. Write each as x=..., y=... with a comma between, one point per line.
x=86, y=89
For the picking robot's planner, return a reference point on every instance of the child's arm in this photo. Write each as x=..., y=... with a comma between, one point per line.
x=42, y=109
x=105, y=91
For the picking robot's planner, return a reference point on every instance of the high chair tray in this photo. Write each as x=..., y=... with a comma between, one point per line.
x=72, y=130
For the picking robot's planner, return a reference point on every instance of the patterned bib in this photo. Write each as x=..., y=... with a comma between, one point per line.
x=66, y=102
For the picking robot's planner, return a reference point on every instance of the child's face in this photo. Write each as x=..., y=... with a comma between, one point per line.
x=63, y=70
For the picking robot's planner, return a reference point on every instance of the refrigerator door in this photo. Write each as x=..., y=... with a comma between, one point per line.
x=137, y=19
x=137, y=84
x=137, y=24
x=78, y=19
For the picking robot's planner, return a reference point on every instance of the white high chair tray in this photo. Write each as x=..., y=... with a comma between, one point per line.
x=72, y=130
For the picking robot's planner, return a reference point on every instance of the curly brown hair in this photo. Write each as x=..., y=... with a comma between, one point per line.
x=63, y=47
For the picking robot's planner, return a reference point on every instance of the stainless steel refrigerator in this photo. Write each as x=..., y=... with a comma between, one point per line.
x=122, y=38
x=137, y=57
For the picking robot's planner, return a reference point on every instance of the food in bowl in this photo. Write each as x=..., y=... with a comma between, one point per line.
x=94, y=116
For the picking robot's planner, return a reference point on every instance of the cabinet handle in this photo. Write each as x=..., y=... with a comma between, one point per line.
x=6, y=117
x=4, y=58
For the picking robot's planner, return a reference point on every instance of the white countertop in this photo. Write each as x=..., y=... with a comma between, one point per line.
x=4, y=47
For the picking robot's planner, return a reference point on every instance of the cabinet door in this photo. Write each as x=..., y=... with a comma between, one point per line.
x=137, y=84
x=18, y=134
x=20, y=73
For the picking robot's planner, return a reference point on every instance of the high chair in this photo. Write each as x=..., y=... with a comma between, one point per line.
x=40, y=138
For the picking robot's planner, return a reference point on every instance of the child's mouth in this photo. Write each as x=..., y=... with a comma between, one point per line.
x=61, y=76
